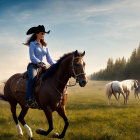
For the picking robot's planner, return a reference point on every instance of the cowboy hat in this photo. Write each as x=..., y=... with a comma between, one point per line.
x=39, y=28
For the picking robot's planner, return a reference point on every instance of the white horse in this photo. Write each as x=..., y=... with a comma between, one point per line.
x=114, y=87
x=128, y=86
x=123, y=87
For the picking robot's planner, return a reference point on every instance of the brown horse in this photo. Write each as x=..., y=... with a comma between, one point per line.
x=49, y=94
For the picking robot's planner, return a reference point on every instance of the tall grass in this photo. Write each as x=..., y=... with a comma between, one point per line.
x=89, y=115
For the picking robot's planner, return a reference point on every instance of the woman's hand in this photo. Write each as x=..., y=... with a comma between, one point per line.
x=41, y=64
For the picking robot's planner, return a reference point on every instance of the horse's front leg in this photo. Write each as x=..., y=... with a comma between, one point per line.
x=115, y=95
x=138, y=96
x=127, y=95
x=61, y=112
x=125, y=99
x=135, y=94
x=119, y=98
x=48, y=113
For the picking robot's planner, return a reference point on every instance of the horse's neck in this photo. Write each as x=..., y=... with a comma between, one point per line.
x=62, y=76
x=131, y=83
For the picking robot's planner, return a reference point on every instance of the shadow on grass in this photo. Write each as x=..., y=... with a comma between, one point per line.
x=3, y=121
x=93, y=106
x=6, y=136
x=84, y=137
x=86, y=121
x=105, y=137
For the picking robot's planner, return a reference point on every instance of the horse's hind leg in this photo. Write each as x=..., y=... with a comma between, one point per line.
x=109, y=97
x=13, y=110
x=117, y=98
x=138, y=96
x=22, y=121
x=127, y=96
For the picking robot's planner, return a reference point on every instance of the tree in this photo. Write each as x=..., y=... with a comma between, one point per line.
x=121, y=69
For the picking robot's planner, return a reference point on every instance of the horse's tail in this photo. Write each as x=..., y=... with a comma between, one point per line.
x=2, y=97
x=108, y=92
x=108, y=89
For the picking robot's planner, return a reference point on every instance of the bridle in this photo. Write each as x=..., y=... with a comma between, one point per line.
x=75, y=77
x=73, y=70
x=74, y=73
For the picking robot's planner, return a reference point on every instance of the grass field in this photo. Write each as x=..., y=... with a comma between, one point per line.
x=89, y=115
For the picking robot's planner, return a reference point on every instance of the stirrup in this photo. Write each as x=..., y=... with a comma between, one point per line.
x=31, y=103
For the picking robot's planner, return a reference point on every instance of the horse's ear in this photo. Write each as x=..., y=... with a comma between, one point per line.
x=83, y=54
x=76, y=53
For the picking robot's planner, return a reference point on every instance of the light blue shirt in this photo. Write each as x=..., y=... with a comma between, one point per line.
x=37, y=53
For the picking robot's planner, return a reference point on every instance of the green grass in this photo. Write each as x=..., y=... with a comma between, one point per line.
x=89, y=115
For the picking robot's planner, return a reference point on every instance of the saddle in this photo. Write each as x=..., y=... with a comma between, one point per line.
x=21, y=85
x=23, y=81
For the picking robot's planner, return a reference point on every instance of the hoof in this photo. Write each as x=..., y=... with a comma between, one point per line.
x=56, y=135
x=41, y=131
x=30, y=138
x=20, y=135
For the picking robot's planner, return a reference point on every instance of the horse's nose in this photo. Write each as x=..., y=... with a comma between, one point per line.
x=82, y=82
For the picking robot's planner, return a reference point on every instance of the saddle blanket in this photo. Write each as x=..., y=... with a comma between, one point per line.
x=21, y=85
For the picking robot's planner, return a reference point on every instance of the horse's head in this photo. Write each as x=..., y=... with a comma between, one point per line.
x=69, y=65
x=135, y=84
x=78, y=68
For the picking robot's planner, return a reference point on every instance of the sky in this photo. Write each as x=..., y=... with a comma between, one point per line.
x=102, y=28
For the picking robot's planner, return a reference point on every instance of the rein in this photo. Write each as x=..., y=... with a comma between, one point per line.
x=75, y=76
x=61, y=94
x=69, y=85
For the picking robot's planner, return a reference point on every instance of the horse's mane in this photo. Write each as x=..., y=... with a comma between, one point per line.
x=53, y=68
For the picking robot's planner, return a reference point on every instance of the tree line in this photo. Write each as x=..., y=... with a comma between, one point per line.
x=121, y=68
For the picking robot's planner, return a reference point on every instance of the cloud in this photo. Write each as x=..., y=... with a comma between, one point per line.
x=24, y=16
x=94, y=25
x=116, y=11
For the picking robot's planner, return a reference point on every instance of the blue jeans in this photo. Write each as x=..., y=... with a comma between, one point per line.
x=32, y=72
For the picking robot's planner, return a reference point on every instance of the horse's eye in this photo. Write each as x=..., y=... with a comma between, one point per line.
x=78, y=64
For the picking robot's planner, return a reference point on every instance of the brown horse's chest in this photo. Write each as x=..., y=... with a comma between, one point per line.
x=48, y=96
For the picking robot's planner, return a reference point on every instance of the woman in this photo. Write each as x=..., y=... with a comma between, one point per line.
x=37, y=50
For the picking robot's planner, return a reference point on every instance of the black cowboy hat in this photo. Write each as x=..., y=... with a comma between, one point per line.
x=39, y=28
